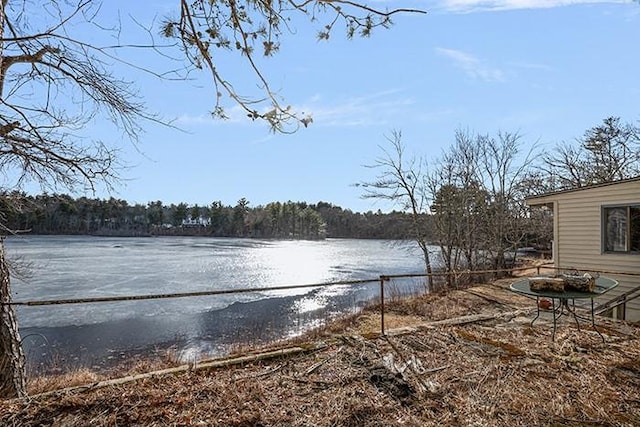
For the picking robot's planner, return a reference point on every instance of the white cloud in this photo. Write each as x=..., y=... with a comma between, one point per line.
x=375, y=108
x=471, y=65
x=235, y=114
x=531, y=66
x=467, y=6
x=187, y=119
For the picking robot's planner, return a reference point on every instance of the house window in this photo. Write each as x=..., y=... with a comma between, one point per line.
x=622, y=229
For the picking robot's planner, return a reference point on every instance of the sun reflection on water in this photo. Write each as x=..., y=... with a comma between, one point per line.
x=294, y=263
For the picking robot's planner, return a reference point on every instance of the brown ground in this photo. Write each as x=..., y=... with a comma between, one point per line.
x=464, y=358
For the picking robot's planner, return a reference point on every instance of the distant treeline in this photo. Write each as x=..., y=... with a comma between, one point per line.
x=62, y=214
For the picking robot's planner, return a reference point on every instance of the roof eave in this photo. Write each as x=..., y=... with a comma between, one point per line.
x=546, y=198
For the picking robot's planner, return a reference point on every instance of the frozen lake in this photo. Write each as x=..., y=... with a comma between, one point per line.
x=63, y=267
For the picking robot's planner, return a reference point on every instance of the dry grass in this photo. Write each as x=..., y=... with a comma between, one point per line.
x=46, y=383
x=496, y=372
x=79, y=377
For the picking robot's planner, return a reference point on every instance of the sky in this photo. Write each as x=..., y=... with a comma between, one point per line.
x=547, y=69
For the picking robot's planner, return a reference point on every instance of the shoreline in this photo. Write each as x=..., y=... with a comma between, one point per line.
x=190, y=337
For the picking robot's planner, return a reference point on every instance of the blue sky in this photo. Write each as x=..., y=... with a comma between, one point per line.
x=548, y=69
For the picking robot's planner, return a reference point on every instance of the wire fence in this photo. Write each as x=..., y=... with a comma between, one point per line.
x=381, y=280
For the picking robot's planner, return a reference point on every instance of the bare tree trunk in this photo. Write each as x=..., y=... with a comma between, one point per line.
x=427, y=262
x=12, y=371
x=12, y=374
x=2, y=19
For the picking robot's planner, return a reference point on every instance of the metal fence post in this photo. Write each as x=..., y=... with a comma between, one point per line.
x=382, y=279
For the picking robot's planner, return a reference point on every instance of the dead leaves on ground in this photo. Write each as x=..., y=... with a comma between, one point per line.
x=494, y=371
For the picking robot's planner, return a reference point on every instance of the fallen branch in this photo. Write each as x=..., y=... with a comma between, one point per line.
x=434, y=370
x=214, y=364
x=322, y=362
x=261, y=374
x=486, y=297
x=463, y=320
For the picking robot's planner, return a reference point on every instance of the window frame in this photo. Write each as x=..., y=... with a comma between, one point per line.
x=604, y=228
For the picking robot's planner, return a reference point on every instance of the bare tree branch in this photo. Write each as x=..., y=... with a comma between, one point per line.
x=608, y=152
x=205, y=28
x=51, y=86
x=401, y=181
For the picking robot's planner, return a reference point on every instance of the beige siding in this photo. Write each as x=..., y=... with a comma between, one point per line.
x=578, y=218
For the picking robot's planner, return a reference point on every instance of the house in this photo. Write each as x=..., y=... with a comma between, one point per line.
x=597, y=228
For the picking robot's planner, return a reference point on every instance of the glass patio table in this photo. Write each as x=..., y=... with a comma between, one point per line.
x=603, y=285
